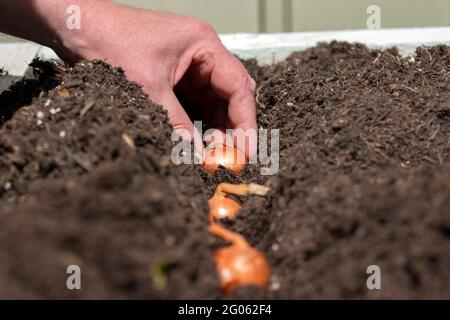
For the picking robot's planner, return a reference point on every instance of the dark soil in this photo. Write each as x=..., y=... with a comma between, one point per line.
x=365, y=175
x=75, y=193
x=364, y=180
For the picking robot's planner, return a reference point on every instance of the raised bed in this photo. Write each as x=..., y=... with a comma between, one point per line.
x=364, y=180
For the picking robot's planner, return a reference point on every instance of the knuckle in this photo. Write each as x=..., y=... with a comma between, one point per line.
x=203, y=28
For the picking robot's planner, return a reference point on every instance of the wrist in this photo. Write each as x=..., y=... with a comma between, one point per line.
x=76, y=25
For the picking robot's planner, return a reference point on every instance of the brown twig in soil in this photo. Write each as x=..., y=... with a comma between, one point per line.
x=85, y=165
x=434, y=134
x=258, y=92
x=430, y=160
x=129, y=141
x=409, y=88
x=384, y=116
x=375, y=61
x=87, y=107
x=429, y=54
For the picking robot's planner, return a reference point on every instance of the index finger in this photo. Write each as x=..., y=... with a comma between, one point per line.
x=231, y=82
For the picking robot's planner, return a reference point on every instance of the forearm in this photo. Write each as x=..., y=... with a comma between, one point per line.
x=46, y=22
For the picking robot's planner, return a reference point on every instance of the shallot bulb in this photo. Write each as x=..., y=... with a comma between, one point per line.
x=222, y=207
x=239, y=264
x=228, y=157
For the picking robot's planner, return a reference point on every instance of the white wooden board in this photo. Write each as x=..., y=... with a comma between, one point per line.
x=266, y=48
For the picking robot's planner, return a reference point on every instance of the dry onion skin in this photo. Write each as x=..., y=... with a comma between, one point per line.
x=227, y=157
x=239, y=264
x=222, y=207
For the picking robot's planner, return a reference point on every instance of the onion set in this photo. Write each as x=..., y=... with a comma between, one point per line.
x=239, y=264
x=227, y=157
x=222, y=207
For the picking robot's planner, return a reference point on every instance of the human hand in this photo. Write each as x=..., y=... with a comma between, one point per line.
x=171, y=57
